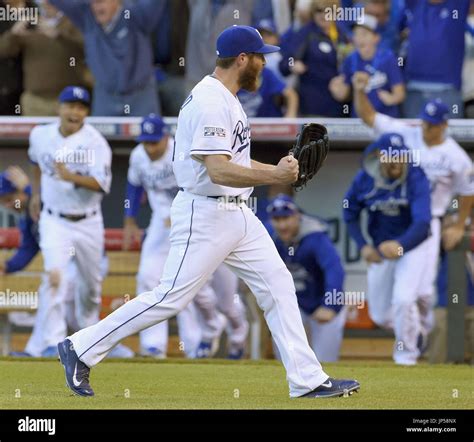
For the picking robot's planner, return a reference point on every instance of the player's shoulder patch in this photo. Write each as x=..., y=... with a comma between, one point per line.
x=211, y=131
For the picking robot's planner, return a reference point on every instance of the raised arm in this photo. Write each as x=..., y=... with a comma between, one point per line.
x=363, y=106
x=75, y=10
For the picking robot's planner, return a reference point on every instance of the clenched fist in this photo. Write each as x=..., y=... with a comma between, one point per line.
x=287, y=170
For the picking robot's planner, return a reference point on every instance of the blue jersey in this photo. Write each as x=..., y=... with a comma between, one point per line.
x=314, y=264
x=397, y=210
x=436, y=41
x=267, y=100
x=317, y=51
x=384, y=74
x=29, y=245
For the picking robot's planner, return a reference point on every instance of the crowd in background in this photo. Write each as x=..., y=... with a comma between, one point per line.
x=144, y=56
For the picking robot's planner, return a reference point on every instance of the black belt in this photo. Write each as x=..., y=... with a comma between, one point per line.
x=228, y=199
x=73, y=218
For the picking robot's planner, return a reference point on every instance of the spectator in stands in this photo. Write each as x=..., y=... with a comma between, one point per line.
x=11, y=74
x=389, y=15
x=305, y=247
x=468, y=69
x=207, y=20
x=170, y=52
x=386, y=89
x=272, y=99
x=270, y=36
x=435, y=54
x=117, y=37
x=53, y=57
x=312, y=56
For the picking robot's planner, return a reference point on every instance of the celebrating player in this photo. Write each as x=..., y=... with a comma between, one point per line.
x=316, y=267
x=211, y=224
x=447, y=167
x=71, y=175
x=396, y=194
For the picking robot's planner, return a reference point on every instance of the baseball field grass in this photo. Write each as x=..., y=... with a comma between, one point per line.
x=220, y=384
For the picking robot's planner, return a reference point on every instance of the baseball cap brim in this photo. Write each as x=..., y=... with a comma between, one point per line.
x=150, y=138
x=430, y=119
x=268, y=49
x=84, y=102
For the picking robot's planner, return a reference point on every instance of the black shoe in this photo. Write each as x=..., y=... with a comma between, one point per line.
x=77, y=373
x=334, y=388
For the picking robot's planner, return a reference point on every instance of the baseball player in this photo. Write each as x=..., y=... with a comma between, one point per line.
x=71, y=168
x=211, y=224
x=396, y=195
x=151, y=170
x=447, y=167
x=303, y=244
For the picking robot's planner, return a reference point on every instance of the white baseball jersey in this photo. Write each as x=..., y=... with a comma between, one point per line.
x=85, y=153
x=211, y=122
x=447, y=165
x=156, y=177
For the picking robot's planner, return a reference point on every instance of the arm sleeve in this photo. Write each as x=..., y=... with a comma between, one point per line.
x=464, y=176
x=277, y=86
x=384, y=124
x=75, y=10
x=102, y=168
x=134, y=195
x=351, y=213
x=420, y=206
x=394, y=73
x=330, y=263
x=33, y=153
x=212, y=132
x=146, y=14
x=26, y=252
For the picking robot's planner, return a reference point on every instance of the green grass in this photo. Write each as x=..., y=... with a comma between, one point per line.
x=218, y=384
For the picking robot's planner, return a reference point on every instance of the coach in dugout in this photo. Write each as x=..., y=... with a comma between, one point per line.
x=117, y=40
x=304, y=245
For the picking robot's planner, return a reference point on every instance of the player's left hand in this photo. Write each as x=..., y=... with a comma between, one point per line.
x=452, y=236
x=323, y=314
x=18, y=177
x=391, y=249
x=63, y=172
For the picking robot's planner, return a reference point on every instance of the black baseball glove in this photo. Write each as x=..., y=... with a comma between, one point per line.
x=311, y=149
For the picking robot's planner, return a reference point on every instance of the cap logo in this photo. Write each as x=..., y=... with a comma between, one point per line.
x=395, y=141
x=430, y=109
x=148, y=127
x=78, y=93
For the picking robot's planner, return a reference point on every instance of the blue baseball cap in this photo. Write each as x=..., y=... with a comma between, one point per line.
x=435, y=112
x=73, y=94
x=153, y=129
x=242, y=39
x=268, y=25
x=6, y=186
x=282, y=205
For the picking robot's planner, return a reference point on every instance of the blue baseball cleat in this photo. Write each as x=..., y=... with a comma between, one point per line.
x=334, y=388
x=236, y=354
x=77, y=373
x=20, y=354
x=204, y=350
x=50, y=352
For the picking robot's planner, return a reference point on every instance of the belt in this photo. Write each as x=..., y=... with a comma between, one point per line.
x=73, y=218
x=224, y=198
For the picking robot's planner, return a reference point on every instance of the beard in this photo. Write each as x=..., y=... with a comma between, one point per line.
x=248, y=79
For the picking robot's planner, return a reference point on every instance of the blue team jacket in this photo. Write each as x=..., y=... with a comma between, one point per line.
x=314, y=263
x=397, y=210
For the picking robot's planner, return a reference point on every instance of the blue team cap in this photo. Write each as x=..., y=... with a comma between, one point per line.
x=242, y=39
x=268, y=25
x=435, y=112
x=72, y=94
x=153, y=129
x=282, y=205
x=6, y=186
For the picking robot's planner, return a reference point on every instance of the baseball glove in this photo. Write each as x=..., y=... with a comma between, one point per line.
x=311, y=149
